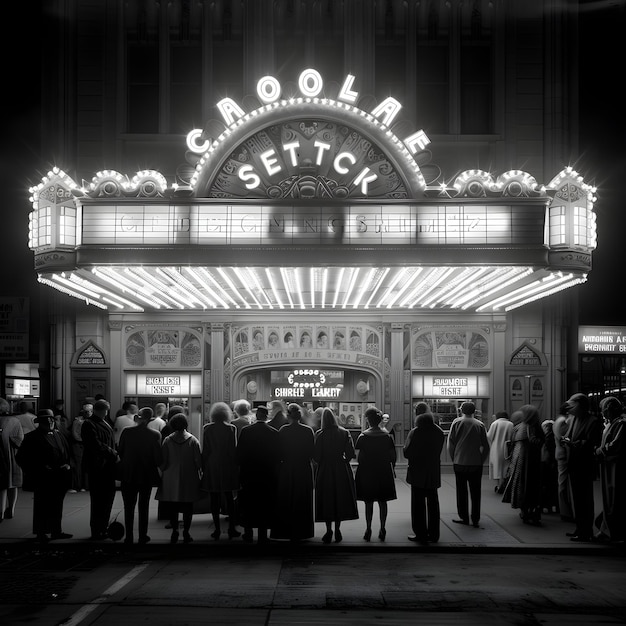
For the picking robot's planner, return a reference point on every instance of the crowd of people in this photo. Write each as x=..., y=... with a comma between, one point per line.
x=273, y=471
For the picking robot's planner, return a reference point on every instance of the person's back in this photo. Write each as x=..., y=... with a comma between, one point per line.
x=26, y=418
x=467, y=441
x=243, y=415
x=468, y=448
x=159, y=421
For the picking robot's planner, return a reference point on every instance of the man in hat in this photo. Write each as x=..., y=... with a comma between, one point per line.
x=258, y=455
x=468, y=448
x=45, y=458
x=581, y=440
x=100, y=457
x=138, y=471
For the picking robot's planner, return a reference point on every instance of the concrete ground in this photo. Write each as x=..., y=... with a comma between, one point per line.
x=501, y=529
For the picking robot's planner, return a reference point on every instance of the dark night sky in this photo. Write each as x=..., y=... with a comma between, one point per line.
x=601, y=157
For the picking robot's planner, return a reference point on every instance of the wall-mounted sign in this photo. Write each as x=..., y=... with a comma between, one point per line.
x=602, y=339
x=445, y=386
x=157, y=384
x=21, y=387
x=223, y=224
x=14, y=327
x=307, y=383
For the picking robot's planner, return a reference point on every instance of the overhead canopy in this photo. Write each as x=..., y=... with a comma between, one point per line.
x=312, y=204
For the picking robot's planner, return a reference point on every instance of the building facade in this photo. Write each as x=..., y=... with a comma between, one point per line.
x=335, y=203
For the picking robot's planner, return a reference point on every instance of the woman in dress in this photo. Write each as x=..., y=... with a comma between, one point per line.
x=182, y=471
x=220, y=475
x=375, y=479
x=294, y=512
x=335, y=493
x=523, y=490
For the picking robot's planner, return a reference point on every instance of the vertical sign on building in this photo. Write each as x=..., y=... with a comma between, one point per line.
x=14, y=325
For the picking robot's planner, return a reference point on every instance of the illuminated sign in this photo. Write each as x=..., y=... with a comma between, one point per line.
x=441, y=386
x=309, y=383
x=310, y=84
x=225, y=224
x=602, y=340
x=141, y=384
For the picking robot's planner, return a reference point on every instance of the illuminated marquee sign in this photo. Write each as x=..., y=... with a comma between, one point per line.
x=602, y=340
x=305, y=383
x=223, y=224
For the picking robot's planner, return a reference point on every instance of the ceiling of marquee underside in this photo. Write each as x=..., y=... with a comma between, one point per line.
x=450, y=288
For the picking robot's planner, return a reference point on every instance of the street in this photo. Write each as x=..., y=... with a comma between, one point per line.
x=311, y=587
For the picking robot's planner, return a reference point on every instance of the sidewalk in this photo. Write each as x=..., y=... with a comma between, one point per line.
x=501, y=529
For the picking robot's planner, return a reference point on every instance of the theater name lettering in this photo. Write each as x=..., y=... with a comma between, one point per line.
x=310, y=85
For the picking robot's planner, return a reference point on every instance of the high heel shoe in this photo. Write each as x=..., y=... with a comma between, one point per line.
x=187, y=538
x=174, y=536
x=233, y=533
x=338, y=536
x=215, y=534
x=328, y=536
x=382, y=534
x=368, y=534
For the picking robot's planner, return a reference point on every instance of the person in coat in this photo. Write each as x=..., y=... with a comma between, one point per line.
x=138, y=471
x=581, y=440
x=294, y=511
x=498, y=435
x=523, y=490
x=220, y=473
x=611, y=453
x=100, y=458
x=11, y=437
x=181, y=475
x=258, y=455
x=335, y=490
x=559, y=428
x=375, y=476
x=469, y=449
x=422, y=450
x=45, y=458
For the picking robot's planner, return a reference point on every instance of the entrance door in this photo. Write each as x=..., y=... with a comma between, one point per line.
x=88, y=384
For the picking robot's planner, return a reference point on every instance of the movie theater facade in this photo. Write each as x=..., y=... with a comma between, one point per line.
x=311, y=258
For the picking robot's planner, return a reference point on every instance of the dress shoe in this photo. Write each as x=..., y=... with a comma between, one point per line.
x=187, y=538
x=144, y=539
x=574, y=534
x=476, y=525
x=98, y=536
x=216, y=534
x=461, y=521
x=8, y=514
x=368, y=534
x=233, y=533
x=417, y=539
x=328, y=537
x=61, y=536
x=580, y=539
x=382, y=534
x=338, y=536
x=41, y=538
x=174, y=536
x=129, y=541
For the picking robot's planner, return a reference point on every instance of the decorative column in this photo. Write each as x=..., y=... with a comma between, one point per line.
x=216, y=374
x=396, y=382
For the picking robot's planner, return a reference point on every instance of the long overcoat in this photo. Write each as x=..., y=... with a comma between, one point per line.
x=335, y=491
x=181, y=469
x=294, y=510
